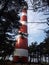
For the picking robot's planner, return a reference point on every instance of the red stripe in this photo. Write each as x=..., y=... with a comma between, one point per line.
x=23, y=28
x=25, y=59
x=22, y=43
x=15, y=58
x=20, y=59
x=19, y=47
x=24, y=18
x=24, y=10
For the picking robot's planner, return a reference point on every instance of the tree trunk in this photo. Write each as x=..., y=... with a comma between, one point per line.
x=33, y=57
x=40, y=58
x=48, y=58
x=30, y=60
x=45, y=58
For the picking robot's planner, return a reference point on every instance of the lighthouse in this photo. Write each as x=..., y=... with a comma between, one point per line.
x=21, y=45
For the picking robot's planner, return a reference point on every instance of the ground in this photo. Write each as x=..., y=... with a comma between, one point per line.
x=12, y=63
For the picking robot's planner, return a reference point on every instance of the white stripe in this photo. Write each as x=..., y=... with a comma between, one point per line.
x=23, y=22
x=21, y=52
x=18, y=36
x=24, y=7
x=23, y=13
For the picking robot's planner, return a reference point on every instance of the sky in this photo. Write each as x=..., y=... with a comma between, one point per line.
x=35, y=34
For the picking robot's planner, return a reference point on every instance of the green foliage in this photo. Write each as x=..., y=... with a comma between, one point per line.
x=8, y=21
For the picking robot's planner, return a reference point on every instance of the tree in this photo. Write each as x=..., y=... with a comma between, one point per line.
x=44, y=46
x=47, y=43
x=32, y=50
x=9, y=25
x=8, y=22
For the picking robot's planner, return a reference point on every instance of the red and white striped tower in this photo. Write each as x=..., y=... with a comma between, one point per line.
x=21, y=46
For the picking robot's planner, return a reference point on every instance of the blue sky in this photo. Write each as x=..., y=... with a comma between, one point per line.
x=35, y=34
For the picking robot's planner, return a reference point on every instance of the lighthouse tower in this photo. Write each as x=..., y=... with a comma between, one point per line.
x=21, y=46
